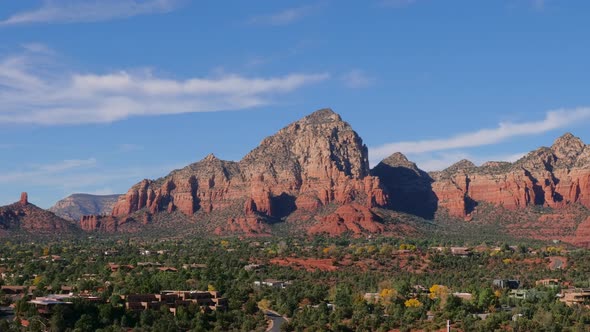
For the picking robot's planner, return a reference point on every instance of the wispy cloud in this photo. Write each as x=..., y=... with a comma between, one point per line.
x=357, y=79
x=286, y=16
x=34, y=94
x=71, y=11
x=553, y=120
x=46, y=172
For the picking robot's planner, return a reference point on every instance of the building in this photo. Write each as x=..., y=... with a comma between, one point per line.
x=253, y=267
x=461, y=251
x=272, y=283
x=575, y=296
x=506, y=284
x=208, y=301
x=552, y=283
x=45, y=305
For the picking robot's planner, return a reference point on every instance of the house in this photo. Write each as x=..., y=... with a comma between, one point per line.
x=253, y=267
x=506, y=284
x=45, y=305
x=208, y=301
x=117, y=267
x=167, y=269
x=461, y=251
x=521, y=294
x=574, y=296
x=272, y=283
x=552, y=283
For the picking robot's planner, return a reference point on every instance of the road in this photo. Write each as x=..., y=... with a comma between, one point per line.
x=276, y=321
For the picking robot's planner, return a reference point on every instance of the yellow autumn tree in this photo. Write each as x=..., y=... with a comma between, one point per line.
x=264, y=304
x=387, y=295
x=413, y=303
x=37, y=280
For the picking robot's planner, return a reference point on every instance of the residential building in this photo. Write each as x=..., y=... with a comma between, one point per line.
x=575, y=296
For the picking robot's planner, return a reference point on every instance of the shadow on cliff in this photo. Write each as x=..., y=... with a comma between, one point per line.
x=410, y=191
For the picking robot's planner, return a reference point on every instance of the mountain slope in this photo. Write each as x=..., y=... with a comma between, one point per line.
x=75, y=206
x=316, y=163
x=24, y=216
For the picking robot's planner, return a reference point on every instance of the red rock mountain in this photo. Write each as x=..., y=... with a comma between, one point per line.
x=27, y=217
x=312, y=164
x=554, y=177
x=316, y=171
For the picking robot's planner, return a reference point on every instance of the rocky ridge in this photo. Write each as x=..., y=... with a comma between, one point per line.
x=316, y=161
x=554, y=177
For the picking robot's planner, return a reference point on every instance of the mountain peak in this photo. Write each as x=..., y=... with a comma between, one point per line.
x=210, y=157
x=322, y=116
x=399, y=159
x=568, y=147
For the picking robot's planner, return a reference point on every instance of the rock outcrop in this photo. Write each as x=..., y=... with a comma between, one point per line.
x=75, y=206
x=311, y=163
x=24, y=216
x=553, y=177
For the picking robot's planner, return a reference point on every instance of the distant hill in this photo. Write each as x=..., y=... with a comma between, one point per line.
x=23, y=216
x=77, y=205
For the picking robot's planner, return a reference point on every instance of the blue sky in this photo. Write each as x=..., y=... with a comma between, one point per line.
x=97, y=95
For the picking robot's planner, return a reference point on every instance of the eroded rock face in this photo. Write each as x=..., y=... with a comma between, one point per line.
x=24, y=198
x=351, y=218
x=553, y=177
x=311, y=163
x=99, y=223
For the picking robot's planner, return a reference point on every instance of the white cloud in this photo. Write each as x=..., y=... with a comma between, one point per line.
x=33, y=94
x=285, y=17
x=553, y=120
x=357, y=79
x=68, y=165
x=69, y=11
x=46, y=172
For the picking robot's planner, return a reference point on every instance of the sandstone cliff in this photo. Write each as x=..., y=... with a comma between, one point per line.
x=312, y=163
x=552, y=177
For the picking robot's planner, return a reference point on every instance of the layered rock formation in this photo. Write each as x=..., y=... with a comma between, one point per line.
x=316, y=162
x=553, y=177
x=24, y=216
x=75, y=206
